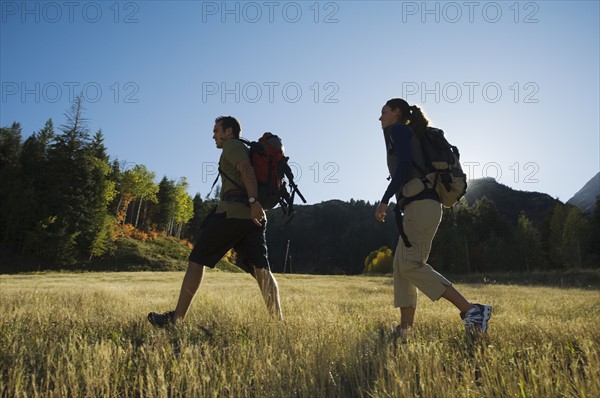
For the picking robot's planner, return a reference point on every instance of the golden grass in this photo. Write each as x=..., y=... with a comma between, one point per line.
x=85, y=335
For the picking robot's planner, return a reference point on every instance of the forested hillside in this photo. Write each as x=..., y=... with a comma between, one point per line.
x=510, y=202
x=336, y=237
x=64, y=203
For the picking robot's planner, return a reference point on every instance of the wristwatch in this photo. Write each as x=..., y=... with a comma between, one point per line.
x=251, y=200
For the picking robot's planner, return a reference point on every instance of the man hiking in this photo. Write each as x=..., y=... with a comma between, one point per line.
x=238, y=222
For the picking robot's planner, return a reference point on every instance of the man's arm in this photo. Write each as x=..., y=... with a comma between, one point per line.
x=244, y=167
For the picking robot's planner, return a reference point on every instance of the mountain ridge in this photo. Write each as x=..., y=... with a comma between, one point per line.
x=511, y=202
x=585, y=198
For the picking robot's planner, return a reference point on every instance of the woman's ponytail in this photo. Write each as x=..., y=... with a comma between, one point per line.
x=418, y=122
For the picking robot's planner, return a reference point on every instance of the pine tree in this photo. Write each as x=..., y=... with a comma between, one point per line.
x=572, y=238
x=528, y=243
x=102, y=193
x=80, y=191
x=491, y=233
x=98, y=150
x=166, y=202
x=34, y=163
x=10, y=145
x=465, y=232
x=487, y=220
x=34, y=154
x=196, y=221
x=12, y=210
x=201, y=210
x=554, y=233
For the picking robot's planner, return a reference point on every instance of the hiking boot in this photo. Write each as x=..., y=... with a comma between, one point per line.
x=476, y=319
x=162, y=320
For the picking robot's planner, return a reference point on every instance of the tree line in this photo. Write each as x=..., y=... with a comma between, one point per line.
x=337, y=237
x=64, y=201
x=478, y=238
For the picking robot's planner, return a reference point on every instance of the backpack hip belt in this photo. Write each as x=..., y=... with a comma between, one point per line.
x=236, y=195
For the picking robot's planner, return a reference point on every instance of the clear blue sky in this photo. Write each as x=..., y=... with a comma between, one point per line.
x=514, y=84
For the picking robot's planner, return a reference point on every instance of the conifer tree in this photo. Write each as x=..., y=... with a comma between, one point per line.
x=572, y=238
x=554, y=233
x=81, y=189
x=12, y=211
x=34, y=163
x=528, y=243
x=166, y=203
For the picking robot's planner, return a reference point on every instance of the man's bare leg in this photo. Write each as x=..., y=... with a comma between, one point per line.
x=270, y=290
x=191, y=282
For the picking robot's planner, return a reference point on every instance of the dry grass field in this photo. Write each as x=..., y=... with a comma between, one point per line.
x=85, y=335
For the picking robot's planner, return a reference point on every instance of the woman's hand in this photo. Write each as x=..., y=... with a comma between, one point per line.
x=380, y=212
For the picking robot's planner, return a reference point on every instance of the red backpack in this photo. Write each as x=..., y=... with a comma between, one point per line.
x=272, y=170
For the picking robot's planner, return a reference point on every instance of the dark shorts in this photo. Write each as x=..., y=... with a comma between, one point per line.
x=219, y=234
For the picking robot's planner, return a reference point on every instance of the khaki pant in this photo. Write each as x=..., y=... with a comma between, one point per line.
x=411, y=271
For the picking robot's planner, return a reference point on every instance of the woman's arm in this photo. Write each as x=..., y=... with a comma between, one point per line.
x=401, y=137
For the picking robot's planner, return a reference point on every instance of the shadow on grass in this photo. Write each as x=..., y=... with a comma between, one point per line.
x=371, y=375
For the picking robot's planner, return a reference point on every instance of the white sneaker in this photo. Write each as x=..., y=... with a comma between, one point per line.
x=399, y=334
x=476, y=319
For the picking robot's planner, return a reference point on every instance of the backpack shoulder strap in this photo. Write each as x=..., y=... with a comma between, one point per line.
x=426, y=158
x=245, y=141
x=230, y=180
x=222, y=173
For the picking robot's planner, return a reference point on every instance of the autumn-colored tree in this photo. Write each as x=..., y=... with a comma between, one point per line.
x=135, y=183
x=176, y=206
x=184, y=207
x=380, y=261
